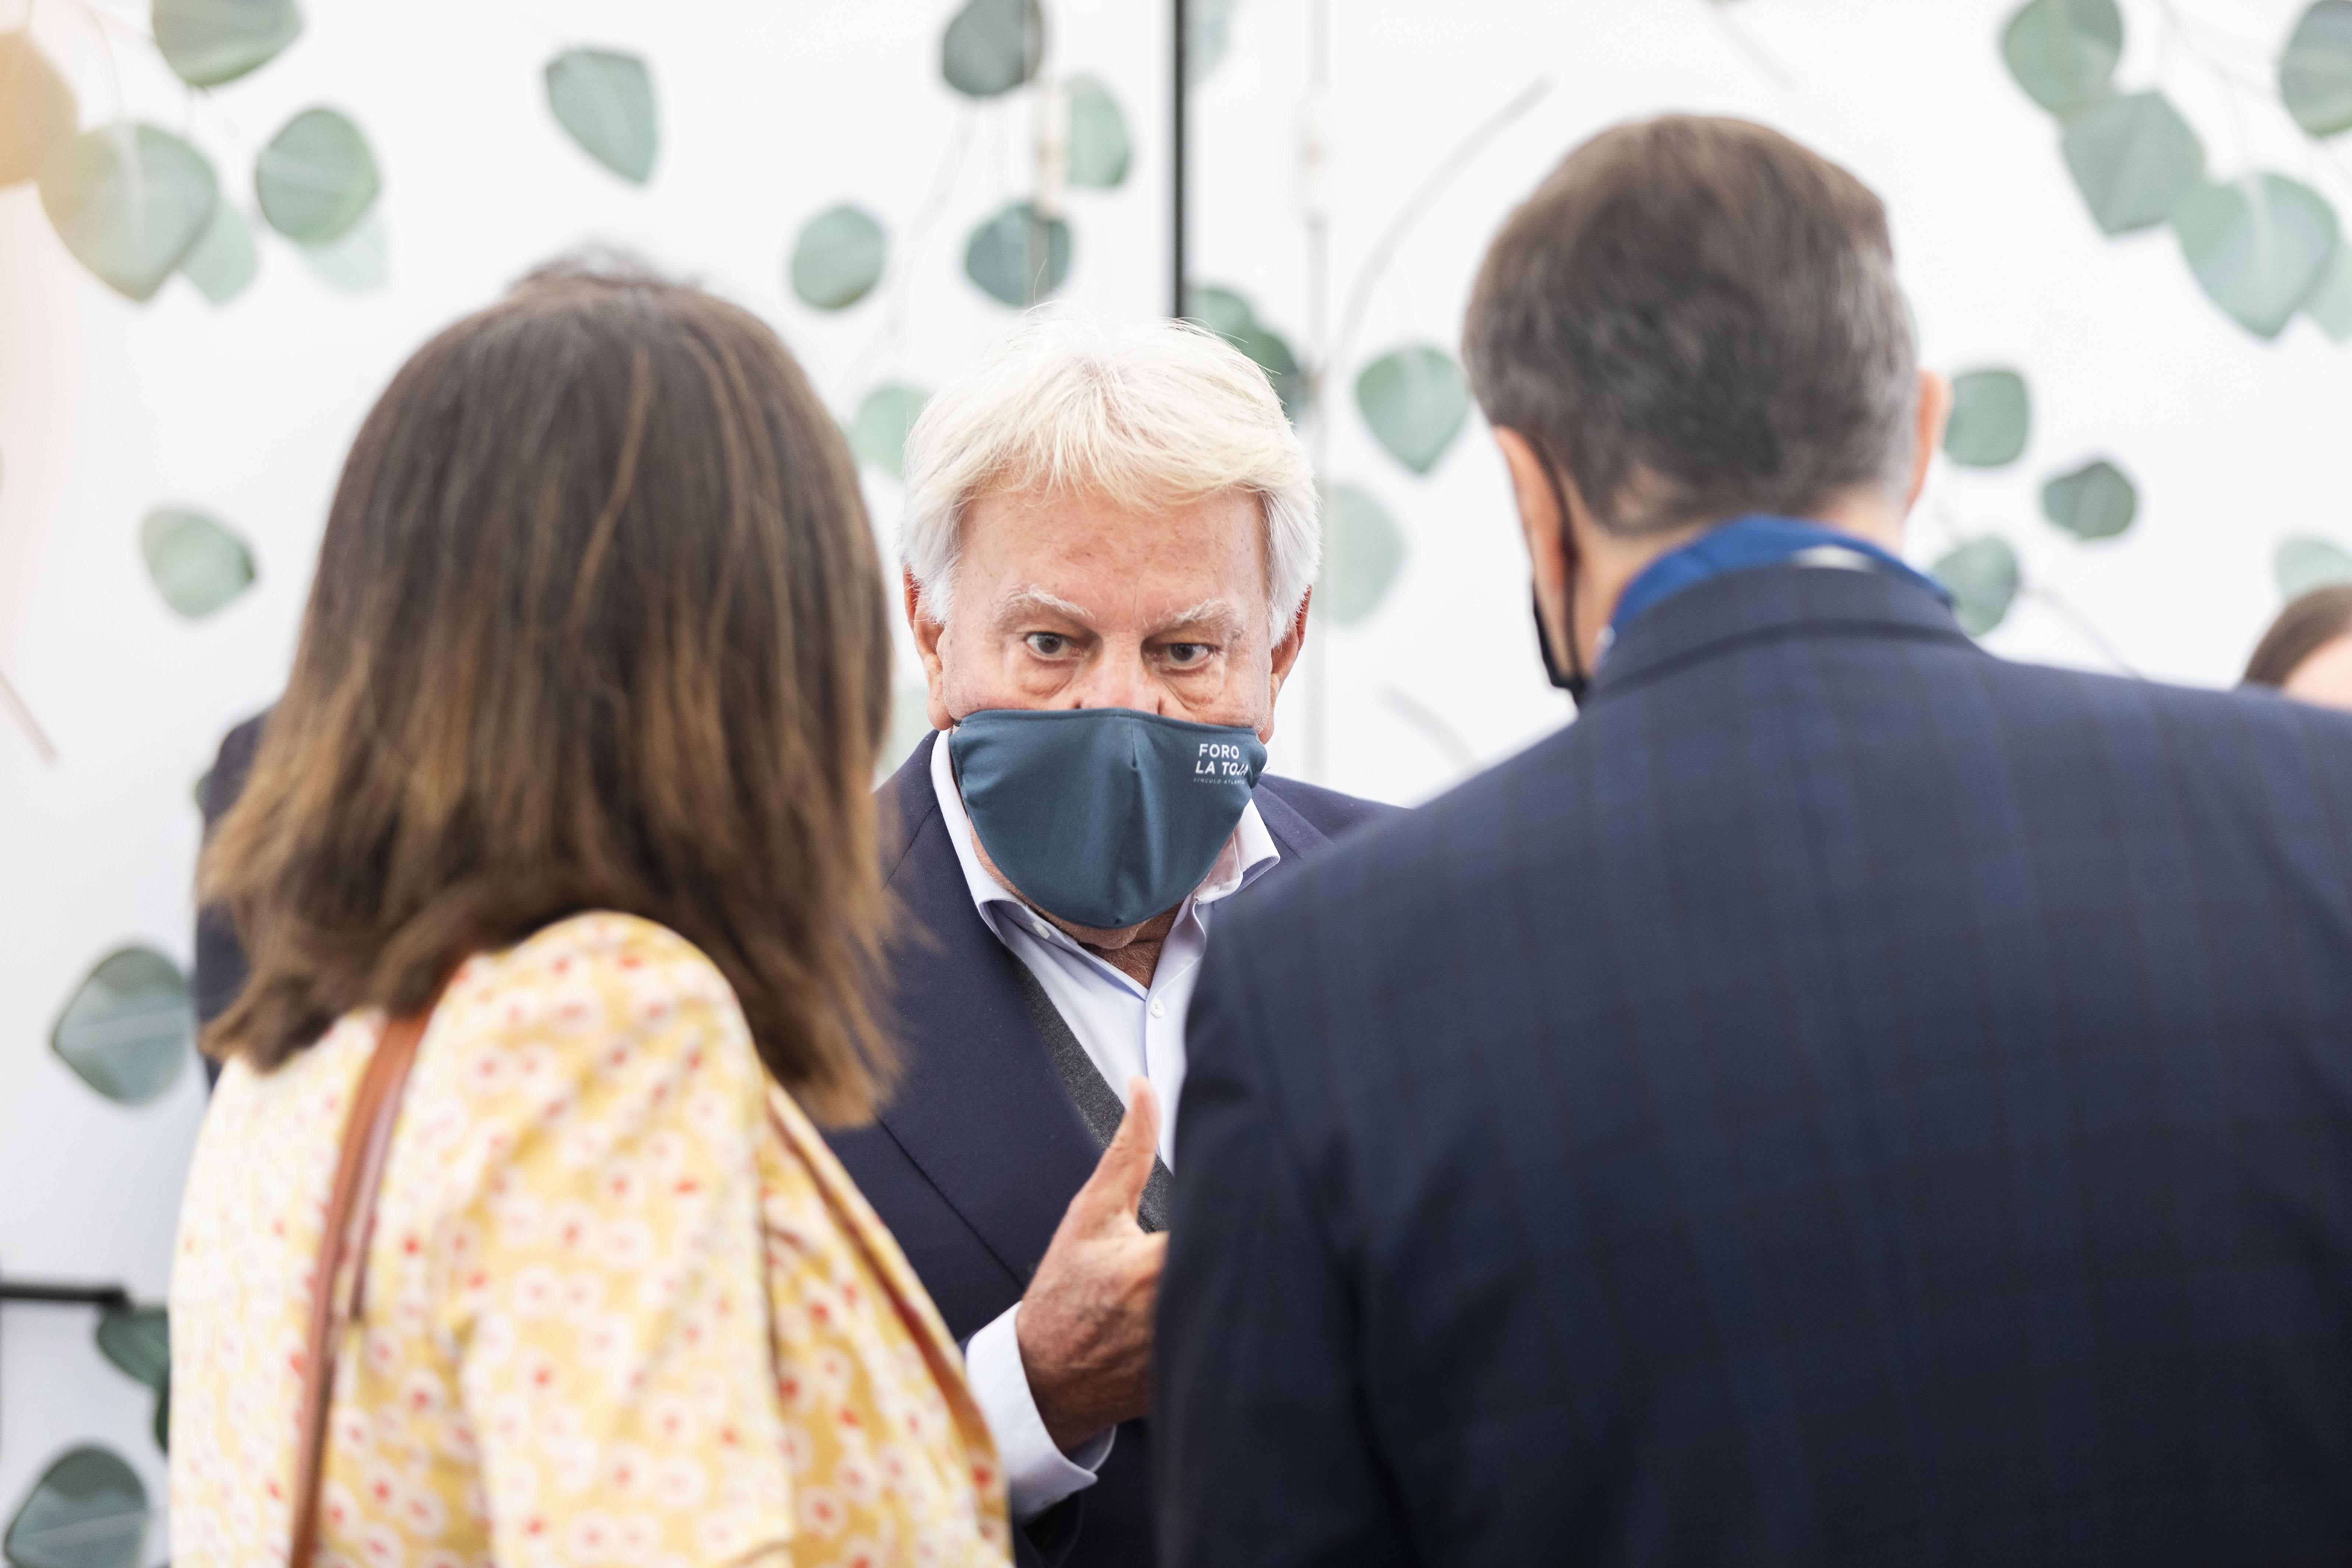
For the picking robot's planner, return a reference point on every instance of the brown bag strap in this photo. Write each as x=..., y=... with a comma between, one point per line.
x=351, y=1221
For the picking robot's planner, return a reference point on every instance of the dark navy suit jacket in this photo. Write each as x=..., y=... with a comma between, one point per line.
x=1847, y=1100
x=981, y=1148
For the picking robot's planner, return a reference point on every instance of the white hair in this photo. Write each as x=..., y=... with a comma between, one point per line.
x=1139, y=413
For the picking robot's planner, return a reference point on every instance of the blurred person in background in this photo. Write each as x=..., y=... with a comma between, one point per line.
x=1110, y=539
x=571, y=773
x=1847, y=1098
x=2307, y=652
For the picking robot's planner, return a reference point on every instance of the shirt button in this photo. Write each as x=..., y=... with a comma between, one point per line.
x=1160, y=1009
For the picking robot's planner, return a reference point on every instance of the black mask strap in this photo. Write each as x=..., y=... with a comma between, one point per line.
x=1571, y=677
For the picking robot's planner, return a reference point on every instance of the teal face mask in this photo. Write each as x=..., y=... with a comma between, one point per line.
x=1105, y=816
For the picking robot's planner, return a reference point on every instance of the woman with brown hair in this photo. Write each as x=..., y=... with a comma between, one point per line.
x=2307, y=652
x=568, y=799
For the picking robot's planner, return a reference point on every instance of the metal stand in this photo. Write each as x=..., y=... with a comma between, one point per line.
x=49, y=1293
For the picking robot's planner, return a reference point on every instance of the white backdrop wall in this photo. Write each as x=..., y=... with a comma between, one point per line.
x=774, y=111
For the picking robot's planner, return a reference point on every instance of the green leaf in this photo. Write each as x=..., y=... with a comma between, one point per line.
x=209, y=42
x=2095, y=501
x=1415, y=401
x=1983, y=578
x=838, y=258
x=2330, y=302
x=2133, y=158
x=358, y=263
x=2064, y=52
x=162, y=1423
x=878, y=433
x=317, y=178
x=196, y=563
x=1221, y=310
x=993, y=47
x=88, y=1509
x=606, y=101
x=1098, y=143
x=1363, y=549
x=1273, y=355
x=37, y=108
x=1018, y=256
x=138, y=1341
x=223, y=261
x=128, y=1029
x=1208, y=33
x=2315, y=72
x=129, y=201
x=1992, y=415
x=2303, y=564
x=2258, y=246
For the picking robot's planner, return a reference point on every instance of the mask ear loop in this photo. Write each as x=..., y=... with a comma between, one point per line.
x=1576, y=680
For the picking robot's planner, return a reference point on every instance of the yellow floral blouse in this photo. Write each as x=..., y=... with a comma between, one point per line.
x=623, y=1304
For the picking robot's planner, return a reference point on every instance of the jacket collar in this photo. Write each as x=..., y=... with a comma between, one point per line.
x=1767, y=602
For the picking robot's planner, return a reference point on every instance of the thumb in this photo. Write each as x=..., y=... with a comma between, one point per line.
x=1114, y=1189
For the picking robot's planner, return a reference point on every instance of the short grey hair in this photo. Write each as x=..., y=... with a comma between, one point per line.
x=1140, y=413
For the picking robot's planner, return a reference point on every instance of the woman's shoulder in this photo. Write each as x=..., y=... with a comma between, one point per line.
x=615, y=998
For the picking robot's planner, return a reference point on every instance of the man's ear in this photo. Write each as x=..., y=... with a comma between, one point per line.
x=1934, y=412
x=1544, y=529
x=927, y=632
x=1286, y=660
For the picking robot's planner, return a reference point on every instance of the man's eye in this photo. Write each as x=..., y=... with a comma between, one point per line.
x=1048, y=645
x=1185, y=655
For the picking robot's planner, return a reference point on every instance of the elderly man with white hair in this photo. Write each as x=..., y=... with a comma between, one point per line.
x=1109, y=543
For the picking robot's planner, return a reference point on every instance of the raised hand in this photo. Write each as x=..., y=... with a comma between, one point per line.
x=1085, y=1328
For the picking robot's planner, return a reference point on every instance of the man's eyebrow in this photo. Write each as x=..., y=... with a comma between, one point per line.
x=1033, y=597
x=1218, y=613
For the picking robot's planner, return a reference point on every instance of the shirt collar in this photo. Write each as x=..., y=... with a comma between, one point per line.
x=1249, y=853
x=1747, y=542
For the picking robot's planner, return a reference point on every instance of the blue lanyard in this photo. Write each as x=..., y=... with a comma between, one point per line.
x=1744, y=544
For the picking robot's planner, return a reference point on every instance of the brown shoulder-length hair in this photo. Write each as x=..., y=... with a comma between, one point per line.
x=2309, y=623
x=599, y=624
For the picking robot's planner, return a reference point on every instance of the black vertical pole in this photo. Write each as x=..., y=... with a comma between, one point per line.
x=1181, y=94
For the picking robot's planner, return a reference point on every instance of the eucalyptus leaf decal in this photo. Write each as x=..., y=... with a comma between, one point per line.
x=2315, y=72
x=2259, y=246
x=317, y=177
x=88, y=1509
x=2330, y=302
x=2064, y=52
x=129, y=201
x=993, y=47
x=1415, y=401
x=358, y=263
x=606, y=99
x=1221, y=310
x=138, y=1341
x=2303, y=564
x=208, y=42
x=2133, y=158
x=223, y=261
x=878, y=433
x=1992, y=415
x=1210, y=33
x=196, y=563
x=1100, y=150
x=838, y=258
x=1983, y=578
x=130, y=1028
x=1018, y=256
x=2094, y=501
x=37, y=108
x=1363, y=549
